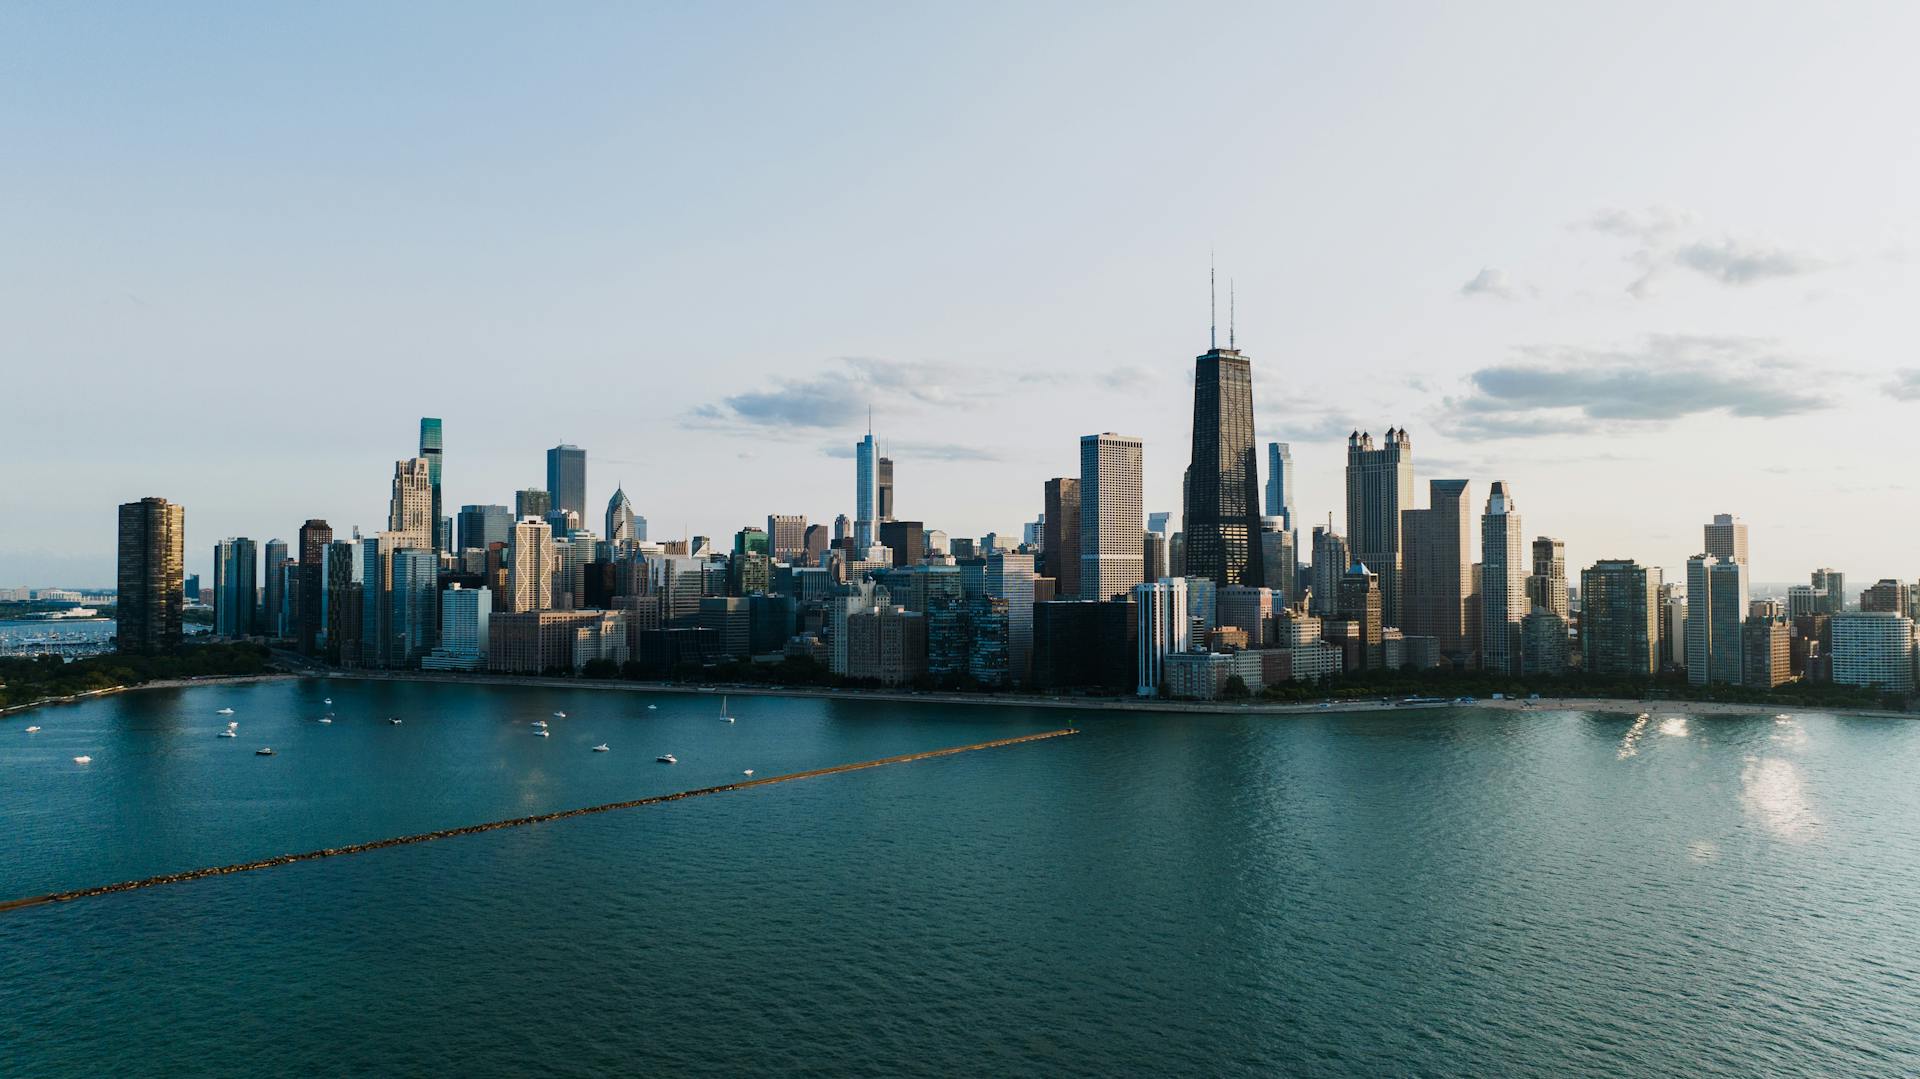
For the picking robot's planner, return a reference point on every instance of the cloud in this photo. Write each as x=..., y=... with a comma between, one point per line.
x=1667, y=239
x=1563, y=389
x=1904, y=385
x=1491, y=282
x=840, y=394
x=1309, y=426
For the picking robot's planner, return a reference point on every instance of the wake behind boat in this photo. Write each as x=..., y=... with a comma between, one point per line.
x=724, y=717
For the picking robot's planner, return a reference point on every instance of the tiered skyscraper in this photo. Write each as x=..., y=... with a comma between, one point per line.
x=150, y=578
x=410, y=510
x=1379, y=488
x=1111, y=516
x=1223, y=484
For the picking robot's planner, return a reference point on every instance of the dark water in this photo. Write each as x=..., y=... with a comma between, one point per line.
x=1442, y=893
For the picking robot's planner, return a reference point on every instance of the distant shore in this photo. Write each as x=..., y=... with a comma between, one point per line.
x=1021, y=700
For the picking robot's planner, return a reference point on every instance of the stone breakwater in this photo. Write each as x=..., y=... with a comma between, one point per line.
x=515, y=822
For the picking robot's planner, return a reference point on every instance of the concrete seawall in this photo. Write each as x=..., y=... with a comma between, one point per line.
x=515, y=822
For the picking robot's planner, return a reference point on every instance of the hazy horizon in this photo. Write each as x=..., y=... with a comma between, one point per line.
x=1645, y=265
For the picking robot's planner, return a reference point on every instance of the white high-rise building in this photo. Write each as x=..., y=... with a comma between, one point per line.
x=1726, y=538
x=410, y=511
x=1503, y=582
x=1873, y=648
x=1111, y=516
x=530, y=558
x=464, y=617
x=1164, y=629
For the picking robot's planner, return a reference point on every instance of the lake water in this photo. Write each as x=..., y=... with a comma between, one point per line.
x=1406, y=893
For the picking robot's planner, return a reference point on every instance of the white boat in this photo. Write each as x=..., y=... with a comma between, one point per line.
x=395, y=720
x=224, y=712
x=748, y=772
x=263, y=751
x=83, y=760
x=326, y=719
x=653, y=708
x=666, y=758
x=541, y=723
x=329, y=700
x=31, y=730
x=544, y=733
x=228, y=733
x=232, y=723
x=559, y=715
x=601, y=748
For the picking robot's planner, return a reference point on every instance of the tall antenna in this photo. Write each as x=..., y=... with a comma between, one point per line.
x=1230, y=344
x=1213, y=306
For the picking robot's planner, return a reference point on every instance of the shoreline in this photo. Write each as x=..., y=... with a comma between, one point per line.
x=900, y=696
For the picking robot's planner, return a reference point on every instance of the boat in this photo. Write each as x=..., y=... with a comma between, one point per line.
x=559, y=715
x=544, y=733
x=83, y=760
x=329, y=700
x=326, y=719
x=541, y=723
x=723, y=711
x=263, y=751
x=667, y=758
x=653, y=708
x=232, y=723
x=229, y=733
x=31, y=730
x=224, y=712
x=395, y=720
x=601, y=748
x=748, y=772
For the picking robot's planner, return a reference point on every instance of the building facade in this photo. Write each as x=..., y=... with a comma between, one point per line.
x=1503, y=582
x=567, y=480
x=1164, y=629
x=1222, y=512
x=1620, y=618
x=150, y=576
x=1111, y=515
x=1436, y=570
x=1379, y=489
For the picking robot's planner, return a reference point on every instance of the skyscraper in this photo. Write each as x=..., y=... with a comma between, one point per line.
x=531, y=502
x=1110, y=515
x=410, y=510
x=883, y=487
x=1436, y=571
x=620, y=522
x=274, y=607
x=1547, y=586
x=1280, y=482
x=1222, y=522
x=1503, y=583
x=1726, y=538
x=1831, y=584
x=236, y=586
x=1620, y=617
x=1010, y=577
x=866, y=494
x=530, y=563
x=1164, y=629
x=314, y=537
x=482, y=526
x=430, y=452
x=1279, y=560
x=787, y=536
x=1060, y=535
x=151, y=564
x=567, y=479
x=1379, y=488
x=1716, y=608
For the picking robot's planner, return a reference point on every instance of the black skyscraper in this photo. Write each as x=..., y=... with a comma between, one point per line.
x=1223, y=481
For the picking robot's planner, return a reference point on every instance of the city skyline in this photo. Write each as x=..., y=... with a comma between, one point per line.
x=1600, y=313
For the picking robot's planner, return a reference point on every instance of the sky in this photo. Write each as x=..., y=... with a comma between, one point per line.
x=1643, y=262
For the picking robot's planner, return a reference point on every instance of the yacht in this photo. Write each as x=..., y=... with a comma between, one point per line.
x=329, y=700
x=83, y=760
x=540, y=723
x=228, y=733
x=326, y=719
x=666, y=758
x=224, y=712
x=559, y=715
x=601, y=748
x=653, y=708
x=544, y=733
x=748, y=772
x=263, y=751
x=31, y=730
x=395, y=720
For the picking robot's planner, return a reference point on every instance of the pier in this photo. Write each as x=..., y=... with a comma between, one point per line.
x=515, y=822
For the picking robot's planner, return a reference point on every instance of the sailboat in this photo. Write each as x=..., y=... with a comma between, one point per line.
x=724, y=717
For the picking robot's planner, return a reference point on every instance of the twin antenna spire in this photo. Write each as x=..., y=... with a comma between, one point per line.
x=1213, y=309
